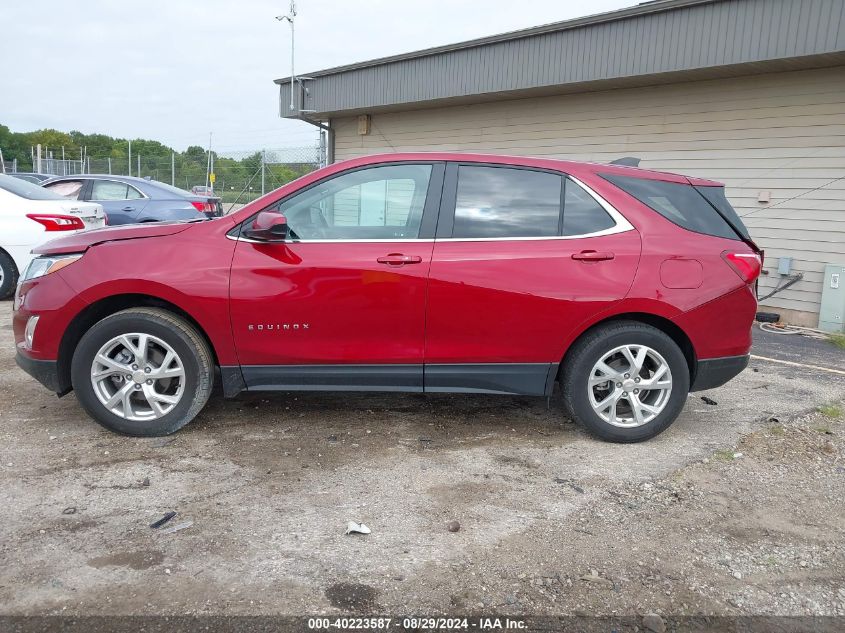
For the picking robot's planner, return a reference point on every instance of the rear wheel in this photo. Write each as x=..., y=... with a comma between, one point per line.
x=8, y=275
x=625, y=381
x=143, y=372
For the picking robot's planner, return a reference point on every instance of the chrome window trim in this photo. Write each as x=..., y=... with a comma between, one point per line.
x=622, y=226
x=345, y=241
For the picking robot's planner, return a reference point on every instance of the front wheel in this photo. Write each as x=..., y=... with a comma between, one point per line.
x=625, y=381
x=142, y=372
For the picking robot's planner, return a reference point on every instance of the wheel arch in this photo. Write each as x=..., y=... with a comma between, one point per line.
x=665, y=325
x=104, y=307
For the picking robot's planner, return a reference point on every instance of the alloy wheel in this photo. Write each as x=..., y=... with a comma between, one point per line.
x=138, y=377
x=630, y=385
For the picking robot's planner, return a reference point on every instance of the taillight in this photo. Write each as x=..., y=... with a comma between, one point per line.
x=202, y=207
x=55, y=222
x=746, y=265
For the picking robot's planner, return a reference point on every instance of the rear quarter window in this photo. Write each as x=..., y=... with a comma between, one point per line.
x=681, y=204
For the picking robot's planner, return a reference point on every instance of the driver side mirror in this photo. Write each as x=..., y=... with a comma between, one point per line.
x=267, y=227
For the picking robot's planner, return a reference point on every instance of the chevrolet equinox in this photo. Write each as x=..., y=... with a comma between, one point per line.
x=407, y=272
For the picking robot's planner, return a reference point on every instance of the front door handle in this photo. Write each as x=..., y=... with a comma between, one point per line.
x=398, y=259
x=593, y=256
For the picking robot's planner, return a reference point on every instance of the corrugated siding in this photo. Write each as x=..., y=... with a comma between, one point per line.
x=700, y=36
x=783, y=133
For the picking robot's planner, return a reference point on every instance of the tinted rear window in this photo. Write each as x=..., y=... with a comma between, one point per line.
x=716, y=197
x=678, y=203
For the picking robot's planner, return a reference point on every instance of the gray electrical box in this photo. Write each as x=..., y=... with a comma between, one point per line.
x=832, y=313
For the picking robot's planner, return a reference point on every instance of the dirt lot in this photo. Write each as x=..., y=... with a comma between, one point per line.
x=731, y=511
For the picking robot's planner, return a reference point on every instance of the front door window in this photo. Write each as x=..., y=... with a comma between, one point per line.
x=381, y=203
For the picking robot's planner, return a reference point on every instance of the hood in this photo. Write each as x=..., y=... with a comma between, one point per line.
x=82, y=241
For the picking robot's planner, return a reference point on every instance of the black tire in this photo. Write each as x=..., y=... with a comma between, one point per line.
x=181, y=336
x=767, y=317
x=598, y=342
x=8, y=275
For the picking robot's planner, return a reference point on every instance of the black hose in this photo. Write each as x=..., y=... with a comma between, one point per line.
x=792, y=280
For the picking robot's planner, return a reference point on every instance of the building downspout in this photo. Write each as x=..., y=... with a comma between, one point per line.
x=329, y=135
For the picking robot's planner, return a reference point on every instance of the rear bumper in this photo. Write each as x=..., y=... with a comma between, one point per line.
x=44, y=371
x=715, y=372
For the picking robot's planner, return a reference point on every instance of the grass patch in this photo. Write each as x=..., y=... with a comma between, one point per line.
x=838, y=340
x=726, y=455
x=823, y=430
x=831, y=410
x=777, y=429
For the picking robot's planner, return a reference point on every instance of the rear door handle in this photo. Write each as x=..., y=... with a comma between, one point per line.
x=128, y=209
x=593, y=256
x=398, y=259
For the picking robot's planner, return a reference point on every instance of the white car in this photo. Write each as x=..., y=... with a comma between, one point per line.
x=31, y=215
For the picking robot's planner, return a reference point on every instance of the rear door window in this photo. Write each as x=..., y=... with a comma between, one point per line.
x=498, y=202
x=679, y=203
x=108, y=190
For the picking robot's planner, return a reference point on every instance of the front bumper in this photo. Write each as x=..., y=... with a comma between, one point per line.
x=44, y=371
x=715, y=372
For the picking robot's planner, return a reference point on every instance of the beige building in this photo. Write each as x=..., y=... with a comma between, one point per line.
x=747, y=92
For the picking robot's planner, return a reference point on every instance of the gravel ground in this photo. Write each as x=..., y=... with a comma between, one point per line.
x=736, y=509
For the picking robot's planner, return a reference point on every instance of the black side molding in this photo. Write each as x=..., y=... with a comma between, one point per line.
x=528, y=379
x=525, y=379
x=333, y=377
x=715, y=372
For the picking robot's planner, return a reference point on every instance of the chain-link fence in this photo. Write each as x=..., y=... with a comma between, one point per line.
x=237, y=177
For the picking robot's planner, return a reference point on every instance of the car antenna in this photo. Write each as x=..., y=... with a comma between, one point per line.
x=628, y=161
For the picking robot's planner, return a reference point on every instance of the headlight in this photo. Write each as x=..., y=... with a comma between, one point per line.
x=41, y=266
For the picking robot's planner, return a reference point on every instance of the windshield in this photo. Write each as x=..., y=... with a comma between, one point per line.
x=26, y=189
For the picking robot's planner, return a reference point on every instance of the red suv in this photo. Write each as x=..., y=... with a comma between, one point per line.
x=407, y=272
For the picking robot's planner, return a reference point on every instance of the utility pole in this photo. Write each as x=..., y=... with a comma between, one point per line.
x=130, y=158
x=139, y=166
x=173, y=168
x=208, y=163
x=109, y=165
x=2, y=164
x=263, y=162
x=281, y=18
x=38, y=157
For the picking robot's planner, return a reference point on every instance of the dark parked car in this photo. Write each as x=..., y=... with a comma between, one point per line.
x=407, y=272
x=130, y=200
x=30, y=176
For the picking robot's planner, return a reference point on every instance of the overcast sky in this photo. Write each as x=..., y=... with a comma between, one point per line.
x=173, y=70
